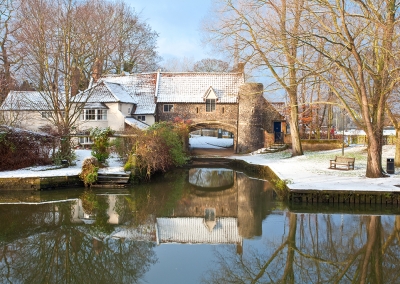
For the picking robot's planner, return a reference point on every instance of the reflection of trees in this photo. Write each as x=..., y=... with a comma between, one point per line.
x=63, y=252
x=318, y=249
x=68, y=255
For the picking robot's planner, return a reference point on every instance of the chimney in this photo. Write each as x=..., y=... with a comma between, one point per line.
x=97, y=70
x=240, y=67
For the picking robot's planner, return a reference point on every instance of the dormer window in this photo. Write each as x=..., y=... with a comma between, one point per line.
x=211, y=98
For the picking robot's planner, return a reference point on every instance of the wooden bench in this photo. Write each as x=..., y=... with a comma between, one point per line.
x=345, y=163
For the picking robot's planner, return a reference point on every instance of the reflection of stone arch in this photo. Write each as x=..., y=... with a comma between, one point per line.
x=196, y=125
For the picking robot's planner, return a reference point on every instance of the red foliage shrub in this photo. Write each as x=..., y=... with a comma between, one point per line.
x=21, y=148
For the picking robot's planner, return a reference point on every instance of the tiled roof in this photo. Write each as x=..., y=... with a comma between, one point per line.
x=191, y=87
x=170, y=87
x=95, y=106
x=141, y=88
x=136, y=123
x=27, y=100
x=193, y=230
x=106, y=92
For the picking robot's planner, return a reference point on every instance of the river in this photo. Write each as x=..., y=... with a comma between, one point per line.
x=204, y=225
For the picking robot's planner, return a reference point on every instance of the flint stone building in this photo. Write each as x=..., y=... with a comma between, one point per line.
x=207, y=100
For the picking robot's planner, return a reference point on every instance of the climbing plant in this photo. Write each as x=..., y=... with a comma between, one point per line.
x=101, y=143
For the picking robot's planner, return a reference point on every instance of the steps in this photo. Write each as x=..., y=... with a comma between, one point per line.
x=120, y=179
x=272, y=149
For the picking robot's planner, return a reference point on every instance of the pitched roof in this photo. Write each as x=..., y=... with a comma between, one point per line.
x=141, y=87
x=191, y=87
x=182, y=87
x=136, y=123
x=106, y=92
x=27, y=100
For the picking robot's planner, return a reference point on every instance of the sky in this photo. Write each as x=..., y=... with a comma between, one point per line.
x=178, y=24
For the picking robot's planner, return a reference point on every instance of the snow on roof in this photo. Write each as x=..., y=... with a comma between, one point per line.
x=193, y=230
x=95, y=106
x=27, y=100
x=141, y=87
x=105, y=92
x=136, y=123
x=191, y=87
x=184, y=87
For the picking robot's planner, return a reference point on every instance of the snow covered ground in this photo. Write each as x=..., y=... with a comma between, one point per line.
x=114, y=165
x=310, y=171
x=197, y=141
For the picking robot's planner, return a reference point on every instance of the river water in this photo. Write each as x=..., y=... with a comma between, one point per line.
x=193, y=226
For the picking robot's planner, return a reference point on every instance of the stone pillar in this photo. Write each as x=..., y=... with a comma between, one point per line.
x=250, y=136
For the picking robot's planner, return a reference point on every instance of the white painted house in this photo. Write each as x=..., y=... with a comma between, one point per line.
x=135, y=100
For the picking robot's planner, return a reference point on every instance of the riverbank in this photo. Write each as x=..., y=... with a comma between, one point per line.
x=311, y=171
x=50, y=177
x=307, y=173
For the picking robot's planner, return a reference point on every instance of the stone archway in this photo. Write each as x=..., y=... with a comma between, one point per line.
x=219, y=125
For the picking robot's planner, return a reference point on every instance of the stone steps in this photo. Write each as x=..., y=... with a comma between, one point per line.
x=112, y=178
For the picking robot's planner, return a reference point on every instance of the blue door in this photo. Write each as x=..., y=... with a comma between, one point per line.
x=278, y=132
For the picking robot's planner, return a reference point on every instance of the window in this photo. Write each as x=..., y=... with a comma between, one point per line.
x=141, y=117
x=210, y=105
x=94, y=114
x=223, y=109
x=101, y=114
x=46, y=114
x=129, y=110
x=85, y=140
x=197, y=110
x=168, y=108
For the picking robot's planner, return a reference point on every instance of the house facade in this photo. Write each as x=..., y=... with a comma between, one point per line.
x=208, y=100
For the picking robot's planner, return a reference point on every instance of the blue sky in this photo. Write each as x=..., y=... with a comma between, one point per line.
x=178, y=24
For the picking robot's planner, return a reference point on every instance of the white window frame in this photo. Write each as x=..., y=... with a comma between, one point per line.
x=94, y=115
x=211, y=105
x=85, y=140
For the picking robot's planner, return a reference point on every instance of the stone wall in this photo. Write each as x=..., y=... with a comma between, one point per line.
x=251, y=113
x=246, y=120
x=226, y=113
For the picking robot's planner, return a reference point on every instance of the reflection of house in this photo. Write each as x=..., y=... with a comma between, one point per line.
x=185, y=230
x=194, y=231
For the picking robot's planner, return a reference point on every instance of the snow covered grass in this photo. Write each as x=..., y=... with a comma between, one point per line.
x=311, y=171
x=114, y=165
x=197, y=141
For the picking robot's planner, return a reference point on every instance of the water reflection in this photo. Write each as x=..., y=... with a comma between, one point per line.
x=211, y=178
x=115, y=238
x=317, y=248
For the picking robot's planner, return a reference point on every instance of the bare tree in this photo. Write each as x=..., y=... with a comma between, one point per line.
x=175, y=64
x=360, y=44
x=263, y=34
x=8, y=56
x=211, y=65
x=47, y=37
x=62, y=40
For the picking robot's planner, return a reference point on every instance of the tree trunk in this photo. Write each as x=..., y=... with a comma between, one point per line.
x=294, y=125
x=397, y=152
x=374, y=158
